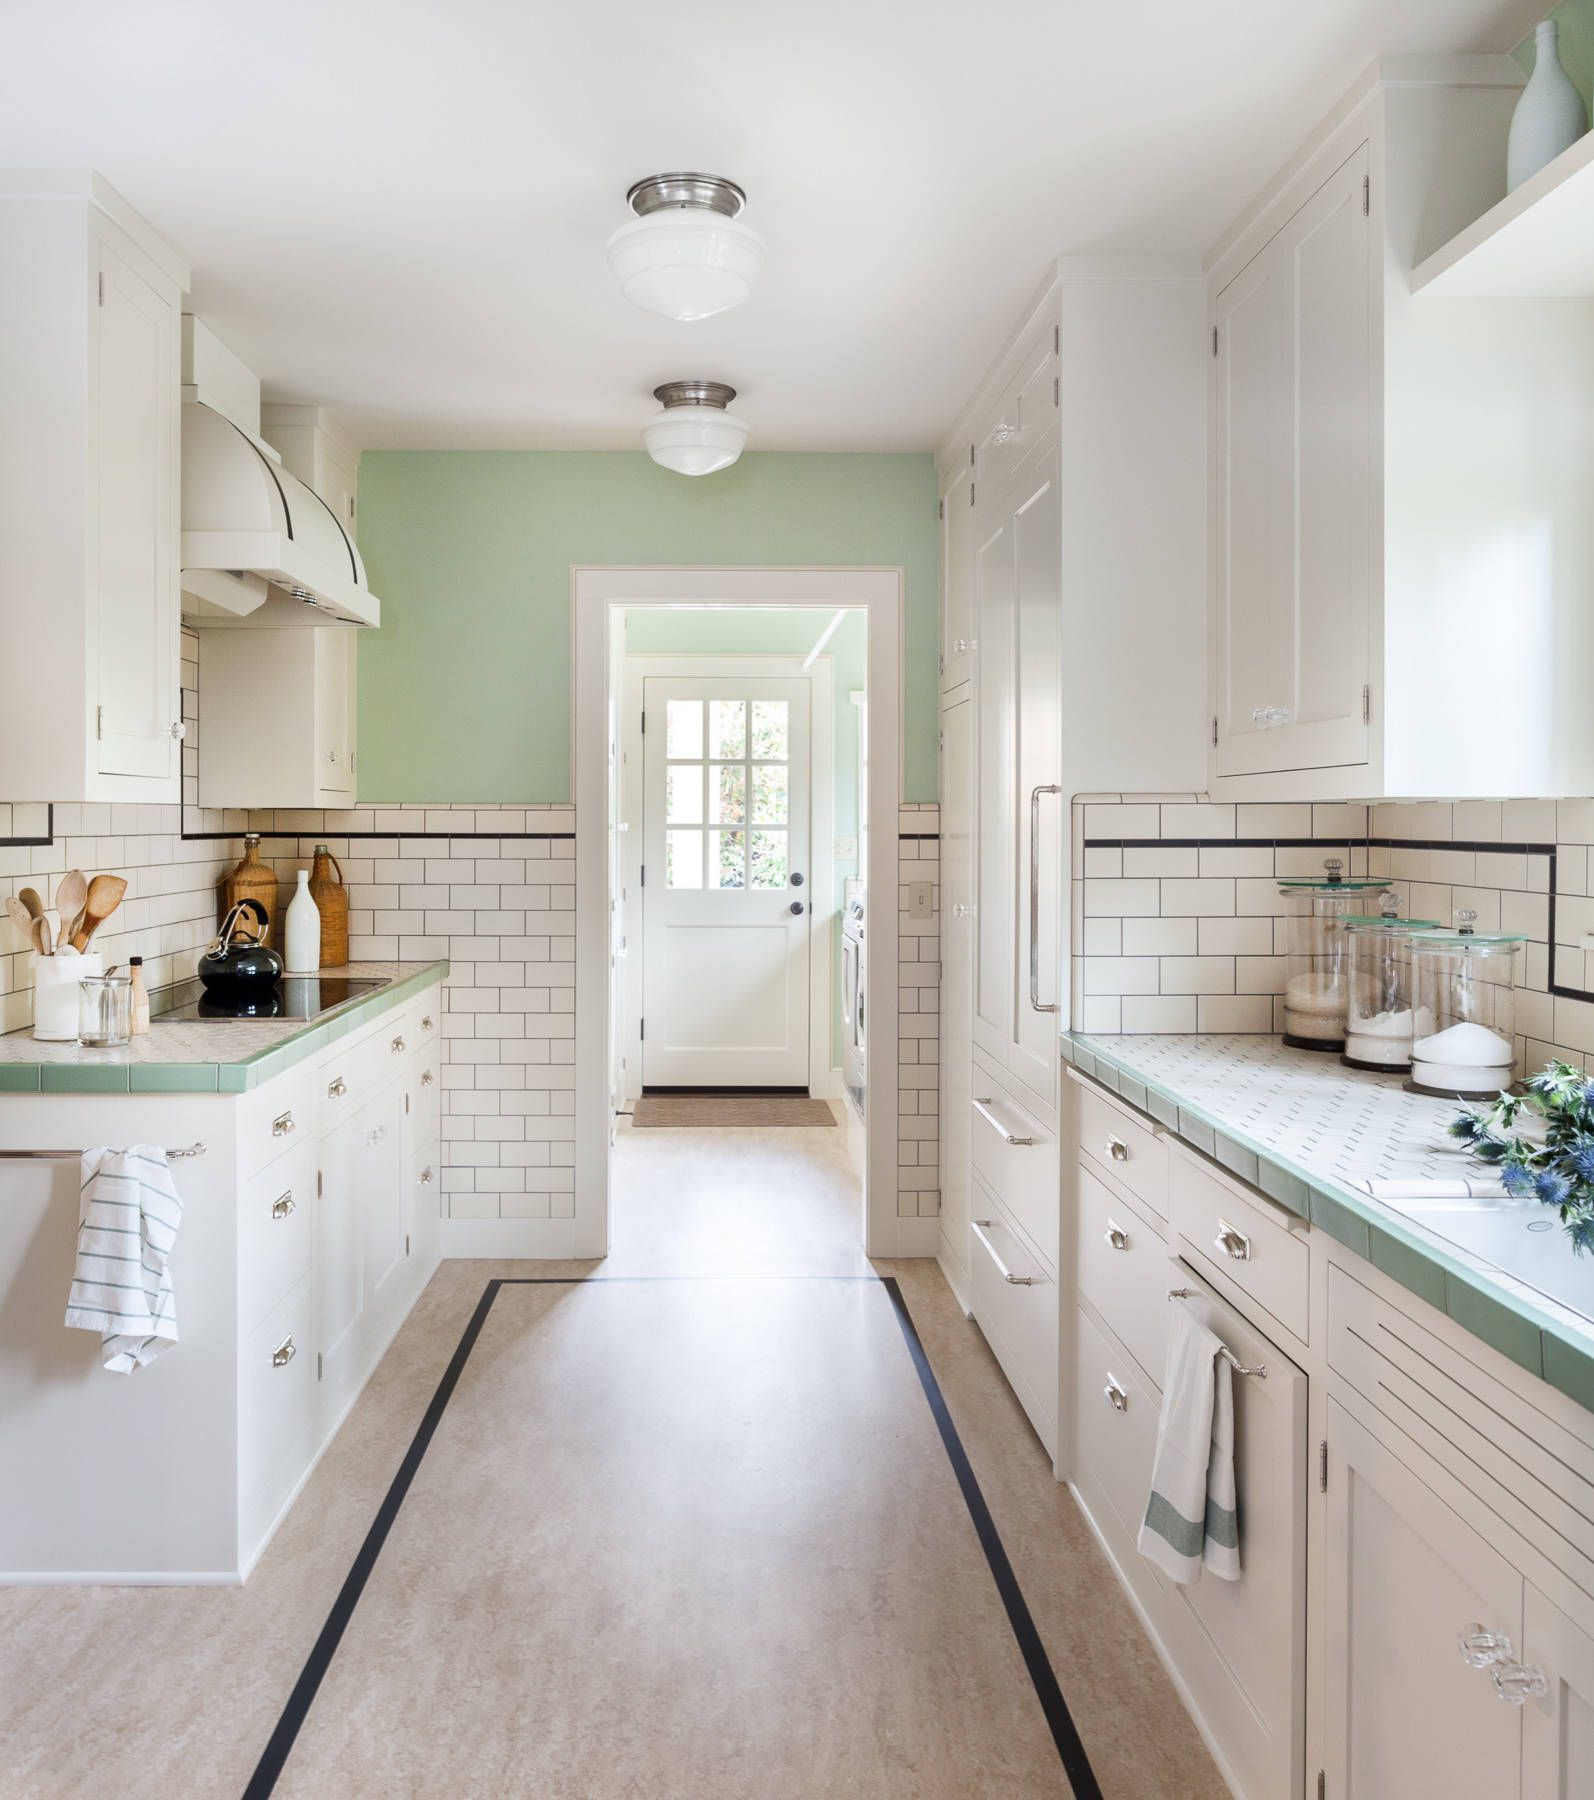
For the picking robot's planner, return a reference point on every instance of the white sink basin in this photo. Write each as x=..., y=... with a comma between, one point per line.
x=1521, y=1237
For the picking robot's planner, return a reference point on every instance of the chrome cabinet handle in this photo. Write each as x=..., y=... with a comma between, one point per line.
x=284, y=1353
x=283, y=1205
x=960, y=911
x=1116, y=1236
x=980, y=1228
x=426, y=1023
x=962, y=646
x=426, y=1177
x=426, y=1077
x=1481, y=1648
x=283, y=1124
x=337, y=1088
x=396, y=1046
x=1117, y=1149
x=1114, y=1395
x=1234, y=1244
x=376, y=1135
x=1270, y=715
x=1046, y=787
x=1003, y=433
x=983, y=1108
x=179, y=730
x=1516, y=1683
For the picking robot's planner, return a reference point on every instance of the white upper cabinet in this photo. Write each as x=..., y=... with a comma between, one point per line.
x=313, y=449
x=89, y=352
x=956, y=481
x=279, y=718
x=1400, y=548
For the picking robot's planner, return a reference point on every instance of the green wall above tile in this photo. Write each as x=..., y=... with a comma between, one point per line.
x=465, y=690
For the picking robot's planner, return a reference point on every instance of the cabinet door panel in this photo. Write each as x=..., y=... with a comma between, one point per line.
x=1407, y=1717
x=1558, y=1729
x=957, y=964
x=994, y=871
x=339, y=1275
x=135, y=589
x=957, y=578
x=334, y=701
x=383, y=1202
x=1038, y=822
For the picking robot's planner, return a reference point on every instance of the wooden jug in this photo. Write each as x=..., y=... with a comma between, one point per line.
x=332, y=897
x=253, y=880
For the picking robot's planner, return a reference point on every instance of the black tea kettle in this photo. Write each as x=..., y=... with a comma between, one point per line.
x=238, y=966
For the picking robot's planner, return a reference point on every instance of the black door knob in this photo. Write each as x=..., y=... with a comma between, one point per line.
x=796, y=880
x=796, y=906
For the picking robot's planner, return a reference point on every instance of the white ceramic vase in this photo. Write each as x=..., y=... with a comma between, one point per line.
x=301, y=937
x=1550, y=116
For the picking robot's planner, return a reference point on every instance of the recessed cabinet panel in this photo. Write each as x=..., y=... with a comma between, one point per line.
x=957, y=969
x=1557, y=1725
x=957, y=576
x=994, y=974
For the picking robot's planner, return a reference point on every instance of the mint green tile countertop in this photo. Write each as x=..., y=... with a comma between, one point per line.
x=1308, y=1131
x=207, y=1056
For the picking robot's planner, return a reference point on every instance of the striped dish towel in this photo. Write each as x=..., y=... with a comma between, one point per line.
x=121, y=1284
x=1192, y=1519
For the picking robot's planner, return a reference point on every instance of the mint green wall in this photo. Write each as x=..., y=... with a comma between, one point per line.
x=465, y=690
x=1574, y=39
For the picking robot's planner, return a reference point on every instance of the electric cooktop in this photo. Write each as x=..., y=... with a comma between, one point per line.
x=294, y=997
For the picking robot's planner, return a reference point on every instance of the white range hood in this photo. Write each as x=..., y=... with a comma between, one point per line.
x=259, y=547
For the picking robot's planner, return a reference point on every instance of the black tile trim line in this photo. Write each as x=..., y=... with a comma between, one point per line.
x=1070, y=1749
x=1475, y=845
x=33, y=843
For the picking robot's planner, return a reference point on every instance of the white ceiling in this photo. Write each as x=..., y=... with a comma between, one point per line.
x=399, y=207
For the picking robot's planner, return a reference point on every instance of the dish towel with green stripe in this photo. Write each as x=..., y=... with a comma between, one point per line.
x=1192, y=1521
x=129, y=1209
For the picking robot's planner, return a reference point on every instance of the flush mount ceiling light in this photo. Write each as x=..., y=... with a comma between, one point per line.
x=686, y=254
x=694, y=435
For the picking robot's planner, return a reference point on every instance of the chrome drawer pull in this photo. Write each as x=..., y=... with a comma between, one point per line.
x=1259, y=1370
x=1233, y=1244
x=1117, y=1150
x=1002, y=1269
x=283, y=1205
x=1116, y=1236
x=337, y=1088
x=1040, y=1006
x=426, y=1023
x=426, y=1078
x=284, y=1354
x=396, y=1045
x=1114, y=1395
x=283, y=1124
x=426, y=1177
x=983, y=1108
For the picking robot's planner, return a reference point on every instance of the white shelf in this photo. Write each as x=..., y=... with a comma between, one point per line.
x=1538, y=242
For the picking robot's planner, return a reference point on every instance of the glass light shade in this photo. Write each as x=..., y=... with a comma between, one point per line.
x=694, y=440
x=685, y=262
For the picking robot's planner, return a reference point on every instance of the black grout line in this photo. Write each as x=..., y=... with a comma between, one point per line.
x=1070, y=1748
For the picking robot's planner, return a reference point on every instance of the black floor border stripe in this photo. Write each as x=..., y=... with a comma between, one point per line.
x=1065, y=1735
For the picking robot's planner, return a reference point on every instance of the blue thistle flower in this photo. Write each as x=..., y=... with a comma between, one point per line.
x=1518, y=1179
x=1582, y=1159
x=1552, y=1187
x=1466, y=1127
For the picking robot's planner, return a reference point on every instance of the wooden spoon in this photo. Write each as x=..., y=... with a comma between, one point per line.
x=104, y=896
x=69, y=898
x=30, y=899
x=42, y=941
x=19, y=915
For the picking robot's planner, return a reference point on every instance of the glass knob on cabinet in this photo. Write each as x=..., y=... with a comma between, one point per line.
x=1481, y=1648
x=1516, y=1683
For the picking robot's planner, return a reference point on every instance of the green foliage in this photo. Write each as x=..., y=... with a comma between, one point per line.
x=1557, y=1168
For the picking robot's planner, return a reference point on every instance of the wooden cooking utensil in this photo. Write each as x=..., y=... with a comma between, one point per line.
x=30, y=899
x=42, y=941
x=104, y=896
x=19, y=915
x=69, y=898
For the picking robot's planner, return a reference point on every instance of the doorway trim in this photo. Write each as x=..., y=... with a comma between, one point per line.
x=595, y=593
x=824, y=1081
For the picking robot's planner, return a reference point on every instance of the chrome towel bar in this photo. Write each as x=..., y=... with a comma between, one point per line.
x=72, y=1155
x=1259, y=1370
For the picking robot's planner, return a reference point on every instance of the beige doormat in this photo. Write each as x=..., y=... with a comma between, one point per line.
x=730, y=1109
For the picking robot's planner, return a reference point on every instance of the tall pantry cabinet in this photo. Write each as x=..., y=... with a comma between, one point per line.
x=90, y=323
x=1070, y=621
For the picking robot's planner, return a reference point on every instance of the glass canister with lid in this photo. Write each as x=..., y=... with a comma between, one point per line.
x=1380, y=1022
x=1316, y=984
x=1464, y=986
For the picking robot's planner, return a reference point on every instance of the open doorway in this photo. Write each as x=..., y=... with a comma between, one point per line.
x=727, y=829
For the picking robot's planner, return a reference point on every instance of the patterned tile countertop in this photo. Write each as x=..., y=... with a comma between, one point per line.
x=1309, y=1132
x=207, y=1056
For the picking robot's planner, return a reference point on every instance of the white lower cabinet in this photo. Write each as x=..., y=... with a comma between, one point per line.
x=1557, y=1725
x=1013, y=1298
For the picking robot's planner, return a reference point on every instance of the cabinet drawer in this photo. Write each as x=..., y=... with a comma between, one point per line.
x=1135, y=1153
x=275, y=1231
x=428, y=1023
x=1236, y=1236
x=275, y=1117
x=276, y=1395
x=426, y=1093
x=1015, y=1302
x=1125, y=1272
x=346, y=1077
x=1017, y=1158
x=1115, y=1426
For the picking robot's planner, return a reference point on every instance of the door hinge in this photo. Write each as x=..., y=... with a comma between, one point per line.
x=971, y=456
x=1322, y=1784
x=1057, y=340
x=940, y=663
x=1057, y=390
x=1214, y=731
x=642, y=1028
x=1322, y=1467
x=971, y=493
x=644, y=724
x=1367, y=195
x=1367, y=704
x=940, y=740
x=319, y=1365
x=99, y=721
x=406, y=1105
x=406, y=1243
x=940, y=509
x=318, y=1188
x=102, y=287
x=1214, y=340
x=644, y=881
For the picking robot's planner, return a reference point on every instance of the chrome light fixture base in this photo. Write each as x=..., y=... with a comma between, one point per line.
x=695, y=393
x=710, y=193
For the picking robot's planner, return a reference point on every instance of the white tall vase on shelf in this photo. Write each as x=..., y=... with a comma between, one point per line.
x=301, y=948
x=1549, y=118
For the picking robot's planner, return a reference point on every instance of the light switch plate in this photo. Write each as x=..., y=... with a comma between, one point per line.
x=921, y=899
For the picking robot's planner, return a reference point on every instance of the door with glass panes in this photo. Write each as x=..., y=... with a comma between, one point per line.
x=726, y=894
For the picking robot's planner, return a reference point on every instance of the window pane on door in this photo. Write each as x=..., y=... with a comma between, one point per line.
x=727, y=728
x=727, y=857
x=729, y=796
x=770, y=862
x=683, y=859
x=684, y=800
x=771, y=735
x=683, y=728
x=769, y=794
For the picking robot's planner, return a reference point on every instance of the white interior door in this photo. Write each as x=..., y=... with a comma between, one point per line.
x=726, y=891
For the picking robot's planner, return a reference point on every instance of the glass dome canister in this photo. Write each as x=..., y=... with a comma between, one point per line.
x=1379, y=1016
x=1464, y=986
x=1316, y=989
